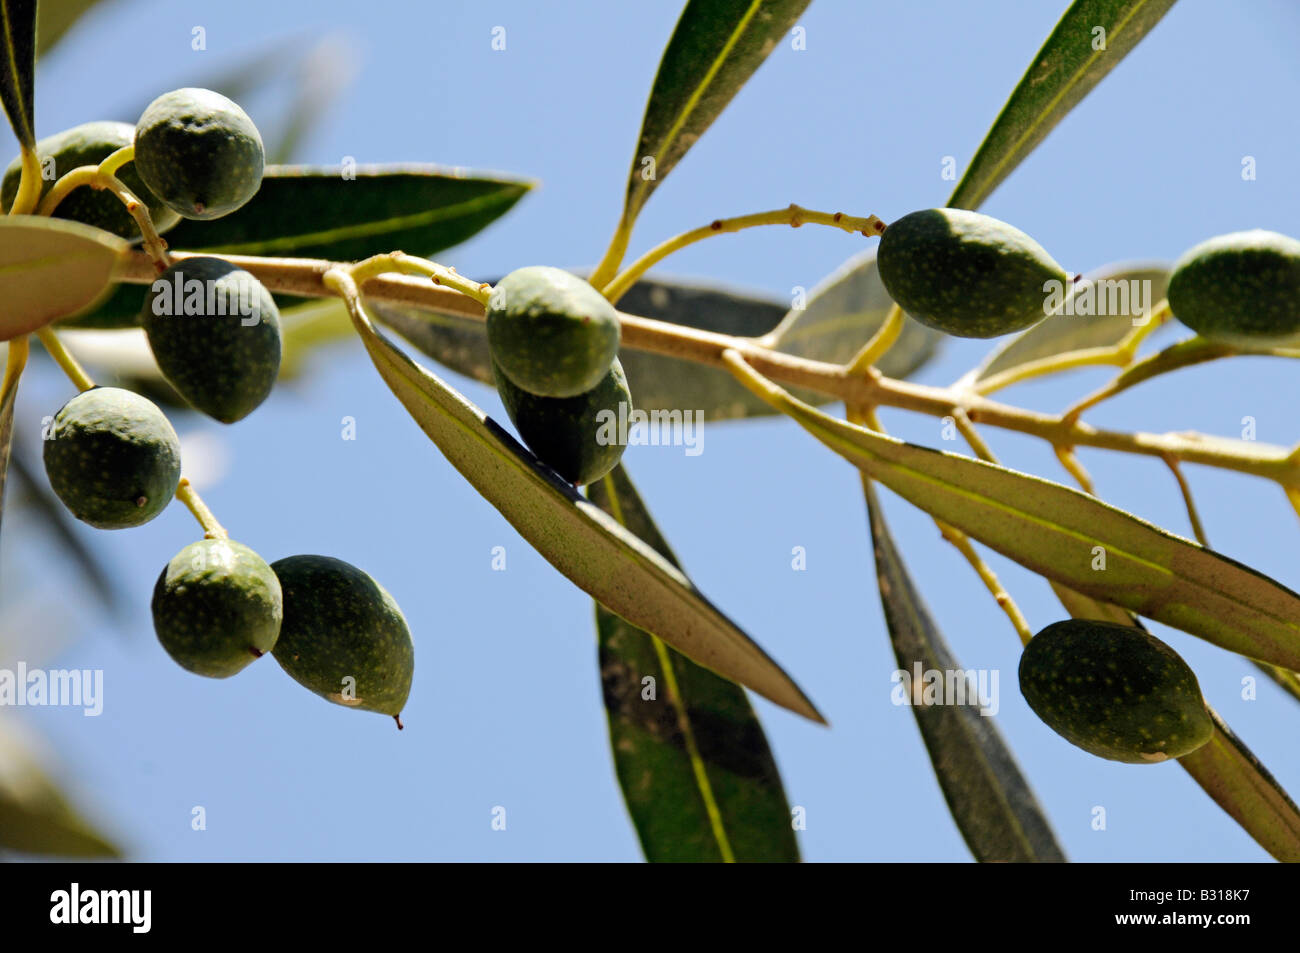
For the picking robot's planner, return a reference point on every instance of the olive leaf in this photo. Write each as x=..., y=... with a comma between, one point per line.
x=18, y=67
x=1088, y=42
x=692, y=760
x=35, y=817
x=1118, y=289
x=596, y=553
x=1061, y=533
x=715, y=47
x=51, y=267
x=990, y=800
x=350, y=214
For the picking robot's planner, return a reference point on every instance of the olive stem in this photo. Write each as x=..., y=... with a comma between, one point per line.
x=306, y=278
x=1121, y=355
x=880, y=342
x=614, y=254
x=1076, y=469
x=15, y=362
x=96, y=178
x=1186, y=490
x=186, y=493
x=403, y=263
x=115, y=160
x=794, y=216
x=63, y=357
x=29, y=183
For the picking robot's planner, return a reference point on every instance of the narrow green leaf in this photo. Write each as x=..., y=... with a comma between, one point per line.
x=989, y=798
x=1088, y=42
x=18, y=66
x=715, y=47
x=1114, y=302
x=347, y=215
x=580, y=540
x=842, y=313
x=53, y=19
x=694, y=765
x=1060, y=533
x=51, y=267
x=35, y=817
x=1224, y=767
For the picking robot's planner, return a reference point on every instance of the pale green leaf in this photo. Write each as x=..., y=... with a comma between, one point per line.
x=579, y=539
x=1059, y=533
x=50, y=267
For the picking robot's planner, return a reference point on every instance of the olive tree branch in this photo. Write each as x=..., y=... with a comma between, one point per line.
x=305, y=278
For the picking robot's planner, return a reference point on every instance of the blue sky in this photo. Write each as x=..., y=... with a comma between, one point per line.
x=505, y=709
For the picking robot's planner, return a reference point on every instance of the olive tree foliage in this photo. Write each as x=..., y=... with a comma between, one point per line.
x=570, y=355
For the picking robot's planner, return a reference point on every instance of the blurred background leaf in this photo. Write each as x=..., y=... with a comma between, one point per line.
x=35, y=816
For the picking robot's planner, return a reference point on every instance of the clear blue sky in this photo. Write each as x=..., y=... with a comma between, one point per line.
x=505, y=708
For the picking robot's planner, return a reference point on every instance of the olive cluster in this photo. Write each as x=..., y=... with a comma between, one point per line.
x=114, y=460
x=554, y=344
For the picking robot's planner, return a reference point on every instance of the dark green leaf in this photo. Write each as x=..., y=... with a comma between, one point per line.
x=1065, y=70
x=35, y=818
x=1072, y=332
x=694, y=765
x=18, y=66
x=715, y=47
x=989, y=798
x=315, y=212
